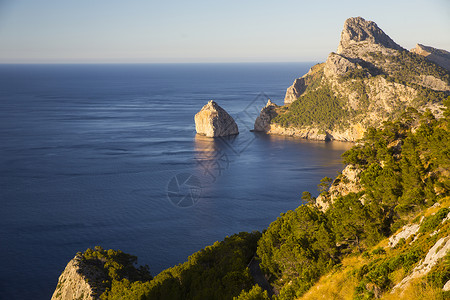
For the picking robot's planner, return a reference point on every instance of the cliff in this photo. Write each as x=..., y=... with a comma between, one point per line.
x=78, y=281
x=369, y=80
x=90, y=275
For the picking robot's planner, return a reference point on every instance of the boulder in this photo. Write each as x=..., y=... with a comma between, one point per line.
x=213, y=121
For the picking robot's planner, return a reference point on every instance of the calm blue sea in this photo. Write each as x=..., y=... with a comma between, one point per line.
x=107, y=155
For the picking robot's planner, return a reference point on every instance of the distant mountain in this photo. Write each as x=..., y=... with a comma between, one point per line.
x=370, y=79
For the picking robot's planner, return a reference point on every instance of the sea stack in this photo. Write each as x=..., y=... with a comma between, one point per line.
x=213, y=121
x=262, y=122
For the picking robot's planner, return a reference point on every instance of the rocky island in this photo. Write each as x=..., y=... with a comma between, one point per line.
x=213, y=121
x=368, y=80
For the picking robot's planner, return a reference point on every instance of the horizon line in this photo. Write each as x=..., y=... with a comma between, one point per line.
x=155, y=63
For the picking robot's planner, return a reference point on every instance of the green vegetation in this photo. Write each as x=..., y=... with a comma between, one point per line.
x=216, y=272
x=406, y=66
x=297, y=248
x=110, y=266
x=404, y=171
x=256, y=293
x=319, y=107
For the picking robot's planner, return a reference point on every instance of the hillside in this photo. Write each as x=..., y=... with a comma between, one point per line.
x=370, y=79
x=392, y=179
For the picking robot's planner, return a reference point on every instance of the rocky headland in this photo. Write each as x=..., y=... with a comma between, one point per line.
x=79, y=280
x=368, y=80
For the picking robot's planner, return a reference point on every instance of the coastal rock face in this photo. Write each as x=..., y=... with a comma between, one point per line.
x=262, y=122
x=213, y=121
x=295, y=90
x=300, y=84
x=373, y=79
x=438, y=56
x=73, y=282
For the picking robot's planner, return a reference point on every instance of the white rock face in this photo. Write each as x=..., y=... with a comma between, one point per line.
x=262, y=122
x=338, y=65
x=446, y=286
x=407, y=231
x=358, y=30
x=72, y=284
x=295, y=90
x=349, y=183
x=438, y=251
x=213, y=121
x=352, y=134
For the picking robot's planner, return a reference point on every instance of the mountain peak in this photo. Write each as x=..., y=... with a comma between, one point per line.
x=358, y=30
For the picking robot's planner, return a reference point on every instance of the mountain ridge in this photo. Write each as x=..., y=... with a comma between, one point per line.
x=374, y=80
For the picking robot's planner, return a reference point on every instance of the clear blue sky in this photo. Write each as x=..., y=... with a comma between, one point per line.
x=204, y=31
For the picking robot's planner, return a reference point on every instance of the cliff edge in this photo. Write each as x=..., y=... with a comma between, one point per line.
x=77, y=281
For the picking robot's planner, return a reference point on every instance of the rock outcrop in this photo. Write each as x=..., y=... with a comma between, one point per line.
x=375, y=80
x=262, y=122
x=438, y=251
x=78, y=281
x=213, y=121
x=339, y=65
x=295, y=90
x=347, y=182
x=438, y=56
x=300, y=84
x=405, y=233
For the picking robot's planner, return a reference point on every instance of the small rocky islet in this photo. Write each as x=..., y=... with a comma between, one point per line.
x=213, y=121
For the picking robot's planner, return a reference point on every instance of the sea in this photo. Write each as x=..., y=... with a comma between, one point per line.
x=107, y=154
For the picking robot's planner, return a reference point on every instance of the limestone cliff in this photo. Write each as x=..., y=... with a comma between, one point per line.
x=78, y=281
x=213, y=121
x=372, y=79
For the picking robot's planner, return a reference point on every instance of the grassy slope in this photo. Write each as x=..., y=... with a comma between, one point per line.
x=344, y=279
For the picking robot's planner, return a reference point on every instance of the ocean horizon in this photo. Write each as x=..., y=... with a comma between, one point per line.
x=92, y=153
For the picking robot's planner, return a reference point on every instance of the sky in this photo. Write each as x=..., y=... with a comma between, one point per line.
x=148, y=31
